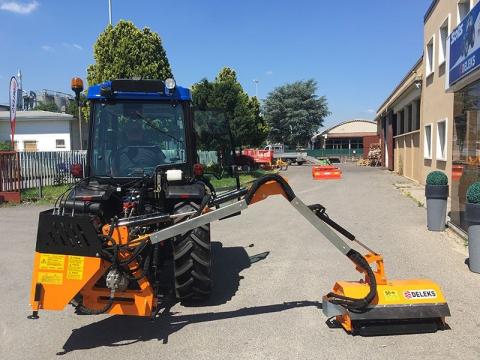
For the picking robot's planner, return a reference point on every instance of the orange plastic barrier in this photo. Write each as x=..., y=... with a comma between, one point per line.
x=326, y=172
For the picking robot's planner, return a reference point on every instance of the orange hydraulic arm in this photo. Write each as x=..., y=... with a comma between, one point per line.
x=274, y=184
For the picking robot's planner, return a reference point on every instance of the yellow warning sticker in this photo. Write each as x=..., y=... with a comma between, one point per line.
x=75, y=267
x=391, y=294
x=52, y=262
x=50, y=278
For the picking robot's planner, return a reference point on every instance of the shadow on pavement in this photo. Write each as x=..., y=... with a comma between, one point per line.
x=228, y=263
x=123, y=330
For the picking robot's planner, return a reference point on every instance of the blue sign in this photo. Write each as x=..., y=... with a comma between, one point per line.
x=464, y=43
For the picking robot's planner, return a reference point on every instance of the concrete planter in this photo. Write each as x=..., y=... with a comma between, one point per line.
x=437, y=196
x=472, y=216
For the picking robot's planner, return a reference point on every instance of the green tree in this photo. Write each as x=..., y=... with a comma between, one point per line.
x=226, y=98
x=124, y=52
x=47, y=106
x=261, y=129
x=5, y=145
x=294, y=112
x=72, y=107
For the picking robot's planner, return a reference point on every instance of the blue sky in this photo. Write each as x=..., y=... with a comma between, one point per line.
x=356, y=50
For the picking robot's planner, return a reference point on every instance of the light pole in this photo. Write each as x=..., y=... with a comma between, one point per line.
x=110, y=12
x=256, y=87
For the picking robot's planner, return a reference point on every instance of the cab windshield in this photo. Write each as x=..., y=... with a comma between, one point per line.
x=130, y=139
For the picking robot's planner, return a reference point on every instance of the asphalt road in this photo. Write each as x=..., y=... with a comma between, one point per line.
x=272, y=269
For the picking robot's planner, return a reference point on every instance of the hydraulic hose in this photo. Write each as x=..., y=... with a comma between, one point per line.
x=87, y=311
x=83, y=309
x=353, y=304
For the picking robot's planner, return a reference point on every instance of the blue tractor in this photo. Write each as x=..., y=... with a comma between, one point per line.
x=141, y=174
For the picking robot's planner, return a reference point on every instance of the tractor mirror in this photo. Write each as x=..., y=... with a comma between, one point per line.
x=76, y=170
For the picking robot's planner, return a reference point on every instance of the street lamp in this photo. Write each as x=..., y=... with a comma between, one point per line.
x=77, y=88
x=256, y=87
x=110, y=12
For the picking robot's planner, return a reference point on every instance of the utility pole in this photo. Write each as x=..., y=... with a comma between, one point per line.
x=256, y=87
x=110, y=12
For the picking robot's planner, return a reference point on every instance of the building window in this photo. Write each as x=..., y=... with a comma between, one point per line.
x=30, y=146
x=465, y=149
x=60, y=143
x=353, y=143
x=442, y=44
x=401, y=117
x=409, y=118
x=427, y=144
x=442, y=140
x=430, y=53
x=417, y=115
x=463, y=9
x=399, y=123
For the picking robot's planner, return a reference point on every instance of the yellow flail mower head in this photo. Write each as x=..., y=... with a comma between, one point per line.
x=394, y=306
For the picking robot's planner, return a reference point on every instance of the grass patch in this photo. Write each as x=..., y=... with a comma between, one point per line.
x=49, y=194
x=230, y=182
x=409, y=195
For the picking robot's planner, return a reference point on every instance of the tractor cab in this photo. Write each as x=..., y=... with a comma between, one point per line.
x=138, y=127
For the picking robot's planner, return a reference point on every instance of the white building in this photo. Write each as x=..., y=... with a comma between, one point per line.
x=40, y=131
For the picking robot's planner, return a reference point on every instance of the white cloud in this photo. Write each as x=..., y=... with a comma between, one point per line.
x=371, y=111
x=47, y=48
x=72, y=46
x=19, y=8
x=269, y=72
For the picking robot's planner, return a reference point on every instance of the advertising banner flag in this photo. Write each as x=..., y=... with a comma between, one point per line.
x=13, y=106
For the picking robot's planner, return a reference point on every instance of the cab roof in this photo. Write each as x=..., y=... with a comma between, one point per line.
x=124, y=89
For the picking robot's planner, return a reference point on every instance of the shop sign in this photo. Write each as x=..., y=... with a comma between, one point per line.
x=464, y=47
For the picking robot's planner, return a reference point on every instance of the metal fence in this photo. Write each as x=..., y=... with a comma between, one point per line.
x=45, y=168
x=207, y=157
x=49, y=167
x=9, y=172
x=336, y=152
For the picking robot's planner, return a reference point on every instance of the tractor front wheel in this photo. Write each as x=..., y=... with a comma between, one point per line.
x=192, y=261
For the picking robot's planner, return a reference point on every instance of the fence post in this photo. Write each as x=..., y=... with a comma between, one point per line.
x=40, y=192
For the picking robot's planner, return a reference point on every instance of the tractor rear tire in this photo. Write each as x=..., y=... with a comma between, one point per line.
x=192, y=259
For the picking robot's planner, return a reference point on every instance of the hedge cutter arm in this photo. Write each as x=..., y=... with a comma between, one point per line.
x=371, y=306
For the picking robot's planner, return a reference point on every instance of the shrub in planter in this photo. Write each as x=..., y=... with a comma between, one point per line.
x=472, y=216
x=436, y=192
x=473, y=193
x=437, y=178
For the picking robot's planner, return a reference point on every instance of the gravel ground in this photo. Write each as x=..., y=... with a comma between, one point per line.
x=272, y=269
